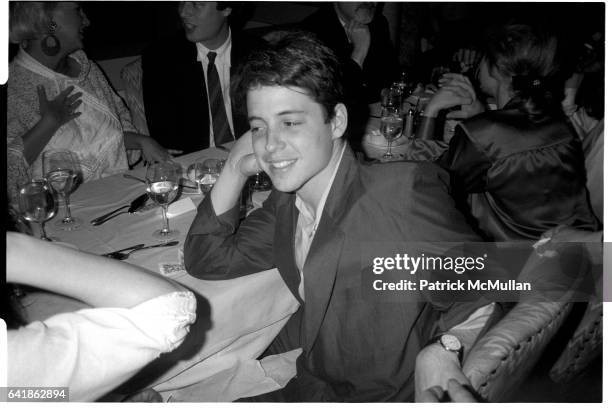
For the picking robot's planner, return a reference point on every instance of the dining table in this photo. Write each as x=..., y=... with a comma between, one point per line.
x=237, y=318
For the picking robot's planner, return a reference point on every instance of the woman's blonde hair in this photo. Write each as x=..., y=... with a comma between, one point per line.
x=29, y=20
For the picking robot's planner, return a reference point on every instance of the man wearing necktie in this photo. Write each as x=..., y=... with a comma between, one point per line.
x=187, y=79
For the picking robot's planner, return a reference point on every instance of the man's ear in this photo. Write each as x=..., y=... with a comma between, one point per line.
x=226, y=11
x=339, y=122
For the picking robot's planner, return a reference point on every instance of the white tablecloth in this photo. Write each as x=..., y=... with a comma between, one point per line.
x=237, y=319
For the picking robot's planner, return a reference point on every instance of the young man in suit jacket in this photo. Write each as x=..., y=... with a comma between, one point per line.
x=184, y=110
x=325, y=209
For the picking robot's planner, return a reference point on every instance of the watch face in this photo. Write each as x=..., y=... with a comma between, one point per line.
x=450, y=342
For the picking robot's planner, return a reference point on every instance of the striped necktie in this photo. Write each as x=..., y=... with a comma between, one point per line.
x=221, y=129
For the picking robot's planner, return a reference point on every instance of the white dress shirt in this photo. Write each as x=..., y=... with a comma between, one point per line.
x=307, y=223
x=223, y=64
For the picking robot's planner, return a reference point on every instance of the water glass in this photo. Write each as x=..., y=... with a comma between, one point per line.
x=207, y=173
x=391, y=126
x=162, y=186
x=37, y=204
x=62, y=170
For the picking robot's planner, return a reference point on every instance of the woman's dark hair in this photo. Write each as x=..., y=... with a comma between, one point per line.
x=296, y=59
x=530, y=57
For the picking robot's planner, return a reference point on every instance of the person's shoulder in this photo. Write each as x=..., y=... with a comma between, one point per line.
x=506, y=132
x=403, y=173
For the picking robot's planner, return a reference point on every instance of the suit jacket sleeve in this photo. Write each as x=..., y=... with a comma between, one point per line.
x=430, y=200
x=216, y=248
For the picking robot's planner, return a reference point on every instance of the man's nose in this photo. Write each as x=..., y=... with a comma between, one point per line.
x=274, y=140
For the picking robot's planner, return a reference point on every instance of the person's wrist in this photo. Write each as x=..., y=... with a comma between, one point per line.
x=48, y=122
x=431, y=111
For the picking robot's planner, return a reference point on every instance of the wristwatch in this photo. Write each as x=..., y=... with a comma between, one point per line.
x=450, y=343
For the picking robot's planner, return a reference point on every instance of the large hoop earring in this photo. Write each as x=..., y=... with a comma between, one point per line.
x=50, y=43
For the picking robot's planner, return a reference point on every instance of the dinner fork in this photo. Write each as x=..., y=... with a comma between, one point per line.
x=121, y=255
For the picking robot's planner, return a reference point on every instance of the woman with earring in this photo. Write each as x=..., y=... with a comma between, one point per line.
x=59, y=99
x=518, y=171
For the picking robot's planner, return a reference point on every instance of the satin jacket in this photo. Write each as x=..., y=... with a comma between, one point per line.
x=521, y=177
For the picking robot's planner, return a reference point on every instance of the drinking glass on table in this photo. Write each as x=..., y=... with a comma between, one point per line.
x=37, y=204
x=207, y=174
x=391, y=125
x=61, y=169
x=391, y=97
x=162, y=187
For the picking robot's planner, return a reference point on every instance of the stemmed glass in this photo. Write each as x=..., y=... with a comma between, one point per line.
x=37, y=204
x=391, y=125
x=162, y=187
x=61, y=168
x=207, y=174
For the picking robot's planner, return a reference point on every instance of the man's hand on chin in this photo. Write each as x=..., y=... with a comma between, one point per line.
x=435, y=366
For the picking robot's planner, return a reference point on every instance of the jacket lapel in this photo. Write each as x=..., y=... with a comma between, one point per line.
x=284, y=237
x=321, y=265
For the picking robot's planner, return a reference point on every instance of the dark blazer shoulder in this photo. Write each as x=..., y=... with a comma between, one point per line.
x=404, y=174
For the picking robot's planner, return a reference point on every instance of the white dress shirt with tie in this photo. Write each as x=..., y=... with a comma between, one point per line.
x=223, y=65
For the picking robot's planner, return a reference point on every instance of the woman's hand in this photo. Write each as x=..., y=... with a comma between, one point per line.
x=151, y=150
x=455, y=90
x=60, y=110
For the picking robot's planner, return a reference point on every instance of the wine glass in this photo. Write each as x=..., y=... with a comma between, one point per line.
x=207, y=174
x=61, y=170
x=391, y=124
x=37, y=204
x=162, y=187
x=391, y=97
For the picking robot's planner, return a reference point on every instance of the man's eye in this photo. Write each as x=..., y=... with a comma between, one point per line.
x=290, y=123
x=255, y=130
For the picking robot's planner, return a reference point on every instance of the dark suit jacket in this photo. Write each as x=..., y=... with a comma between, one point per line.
x=174, y=92
x=524, y=177
x=358, y=345
x=381, y=66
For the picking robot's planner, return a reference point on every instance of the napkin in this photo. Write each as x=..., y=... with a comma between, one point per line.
x=180, y=207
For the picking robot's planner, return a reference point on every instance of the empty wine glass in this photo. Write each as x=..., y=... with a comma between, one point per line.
x=61, y=168
x=37, y=204
x=391, y=125
x=162, y=187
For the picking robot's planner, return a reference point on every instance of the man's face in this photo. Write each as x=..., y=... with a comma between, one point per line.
x=292, y=141
x=204, y=23
x=361, y=12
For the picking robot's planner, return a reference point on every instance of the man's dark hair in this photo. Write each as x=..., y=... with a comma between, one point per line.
x=298, y=60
